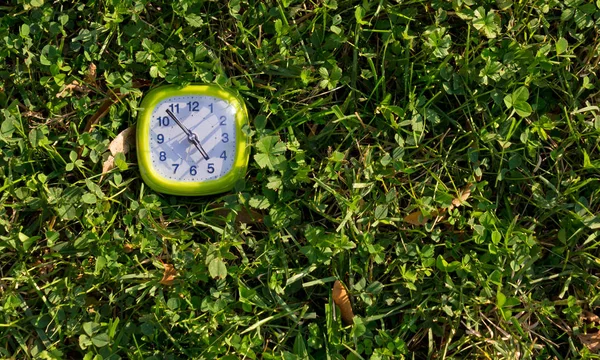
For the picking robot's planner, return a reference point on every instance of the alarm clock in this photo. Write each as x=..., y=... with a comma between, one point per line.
x=190, y=140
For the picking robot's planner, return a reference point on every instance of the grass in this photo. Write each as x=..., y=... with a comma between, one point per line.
x=440, y=158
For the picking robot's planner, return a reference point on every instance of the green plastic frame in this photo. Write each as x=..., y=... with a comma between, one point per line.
x=168, y=186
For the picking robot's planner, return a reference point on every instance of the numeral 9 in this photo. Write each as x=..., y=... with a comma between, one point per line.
x=160, y=138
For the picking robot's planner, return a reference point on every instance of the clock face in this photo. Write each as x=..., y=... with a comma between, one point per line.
x=192, y=138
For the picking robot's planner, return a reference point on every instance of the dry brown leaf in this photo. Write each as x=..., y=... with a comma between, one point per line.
x=107, y=166
x=90, y=76
x=127, y=248
x=341, y=299
x=591, y=341
x=249, y=216
x=102, y=111
x=115, y=96
x=33, y=114
x=74, y=86
x=43, y=268
x=99, y=114
x=463, y=195
x=169, y=275
x=246, y=216
x=416, y=218
x=590, y=317
x=123, y=142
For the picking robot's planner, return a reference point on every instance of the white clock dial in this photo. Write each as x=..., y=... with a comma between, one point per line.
x=193, y=138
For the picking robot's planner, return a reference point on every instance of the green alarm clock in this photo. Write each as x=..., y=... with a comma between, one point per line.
x=190, y=140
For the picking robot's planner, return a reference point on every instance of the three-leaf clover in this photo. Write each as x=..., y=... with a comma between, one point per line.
x=93, y=336
x=518, y=101
x=330, y=80
x=438, y=41
x=488, y=23
x=270, y=152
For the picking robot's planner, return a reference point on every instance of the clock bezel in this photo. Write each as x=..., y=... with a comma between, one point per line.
x=187, y=188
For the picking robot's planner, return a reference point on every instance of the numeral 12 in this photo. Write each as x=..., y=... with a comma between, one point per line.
x=193, y=106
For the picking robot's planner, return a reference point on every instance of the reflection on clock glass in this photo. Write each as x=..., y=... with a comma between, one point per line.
x=192, y=138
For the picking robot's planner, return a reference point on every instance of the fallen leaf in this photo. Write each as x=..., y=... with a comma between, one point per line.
x=102, y=111
x=590, y=317
x=127, y=248
x=107, y=166
x=74, y=86
x=591, y=341
x=43, y=268
x=249, y=216
x=169, y=275
x=115, y=96
x=33, y=114
x=99, y=114
x=123, y=142
x=341, y=299
x=463, y=195
x=90, y=76
x=416, y=218
x=245, y=215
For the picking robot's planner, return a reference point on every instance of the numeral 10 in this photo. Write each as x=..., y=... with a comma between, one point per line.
x=163, y=121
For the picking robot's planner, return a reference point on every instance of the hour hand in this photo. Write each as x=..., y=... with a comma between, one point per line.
x=193, y=138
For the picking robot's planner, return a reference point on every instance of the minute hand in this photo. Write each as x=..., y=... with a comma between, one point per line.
x=193, y=138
